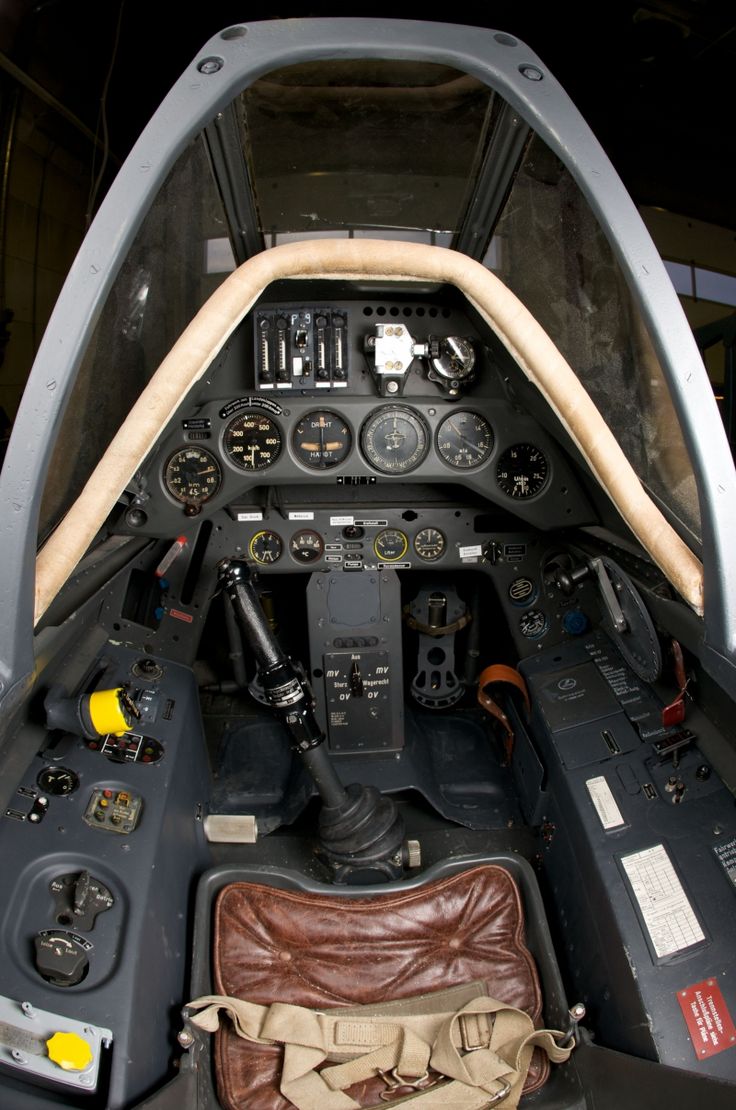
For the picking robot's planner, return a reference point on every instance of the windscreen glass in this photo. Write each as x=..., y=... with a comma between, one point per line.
x=367, y=144
x=549, y=249
x=160, y=287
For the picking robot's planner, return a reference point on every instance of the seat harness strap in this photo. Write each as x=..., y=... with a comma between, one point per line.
x=480, y=1047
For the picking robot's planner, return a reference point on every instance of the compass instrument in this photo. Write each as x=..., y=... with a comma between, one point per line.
x=394, y=439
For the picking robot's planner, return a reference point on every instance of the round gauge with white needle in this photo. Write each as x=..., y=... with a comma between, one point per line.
x=321, y=440
x=192, y=476
x=265, y=547
x=522, y=470
x=430, y=544
x=252, y=441
x=452, y=357
x=306, y=546
x=464, y=439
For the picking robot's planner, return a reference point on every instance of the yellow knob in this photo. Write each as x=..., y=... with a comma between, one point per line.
x=70, y=1051
x=109, y=713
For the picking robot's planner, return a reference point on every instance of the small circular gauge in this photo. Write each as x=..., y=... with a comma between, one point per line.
x=533, y=624
x=252, y=441
x=321, y=440
x=192, y=475
x=452, y=357
x=522, y=470
x=390, y=545
x=522, y=591
x=306, y=546
x=464, y=439
x=265, y=548
x=394, y=439
x=430, y=544
x=58, y=781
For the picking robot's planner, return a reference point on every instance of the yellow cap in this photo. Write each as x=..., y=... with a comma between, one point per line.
x=70, y=1051
x=107, y=712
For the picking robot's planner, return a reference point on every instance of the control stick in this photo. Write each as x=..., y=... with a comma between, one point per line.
x=360, y=829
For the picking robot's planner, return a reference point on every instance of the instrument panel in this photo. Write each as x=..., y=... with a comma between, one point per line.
x=325, y=394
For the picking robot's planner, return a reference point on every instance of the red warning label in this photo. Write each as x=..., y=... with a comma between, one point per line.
x=178, y=615
x=708, y=1020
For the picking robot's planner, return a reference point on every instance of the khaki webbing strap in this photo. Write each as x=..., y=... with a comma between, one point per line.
x=400, y=1041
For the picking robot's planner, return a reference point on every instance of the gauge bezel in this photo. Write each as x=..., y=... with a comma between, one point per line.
x=252, y=540
x=430, y=558
x=543, y=484
x=385, y=558
x=319, y=550
x=320, y=466
x=166, y=480
x=247, y=414
x=374, y=418
x=460, y=466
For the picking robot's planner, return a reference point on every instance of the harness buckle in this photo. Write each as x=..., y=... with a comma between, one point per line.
x=396, y=1082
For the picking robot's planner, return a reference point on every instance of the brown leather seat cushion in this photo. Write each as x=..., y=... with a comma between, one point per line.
x=321, y=950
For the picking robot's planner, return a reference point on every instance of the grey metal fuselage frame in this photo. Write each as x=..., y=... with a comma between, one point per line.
x=243, y=54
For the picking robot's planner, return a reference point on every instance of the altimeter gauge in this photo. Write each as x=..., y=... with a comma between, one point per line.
x=464, y=439
x=321, y=440
x=192, y=476
x=522, y=470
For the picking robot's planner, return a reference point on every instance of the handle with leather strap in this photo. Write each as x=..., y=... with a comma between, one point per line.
x=499, y=672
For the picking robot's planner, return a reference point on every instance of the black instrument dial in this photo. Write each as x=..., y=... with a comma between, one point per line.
x=321, y=440
x=464, y=439
x=394, y=439
x=59, y=781
x=533, y=624
x=390, y=545
x=192, y=475
x=252, y=441
x=306, y=546
x=452, y=357
x=430, y=544
x=522, y=470
x=265, y=548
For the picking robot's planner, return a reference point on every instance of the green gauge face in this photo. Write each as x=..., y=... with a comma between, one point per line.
x=522, y=470
x=390, y=545
x=192, y=475
x=252, y=441
x=265, y=548
x=464, y=440
x=321, y=440
x=394, y=439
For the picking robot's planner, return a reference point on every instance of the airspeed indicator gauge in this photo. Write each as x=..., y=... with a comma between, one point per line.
x=522, y=470
x=252, y=441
